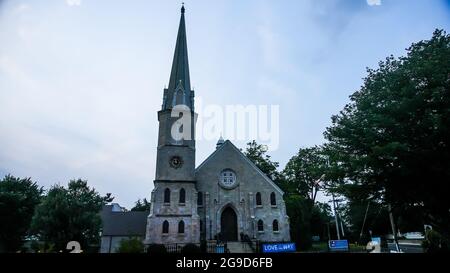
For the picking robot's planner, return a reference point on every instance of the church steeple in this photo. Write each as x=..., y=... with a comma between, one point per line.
x=179, y=90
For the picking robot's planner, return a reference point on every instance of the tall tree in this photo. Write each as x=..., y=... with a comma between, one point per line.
x=391, y=141
x=305, y=171
x=70, y=214
x=18, y=199
x=257, y=153
x=143, y=205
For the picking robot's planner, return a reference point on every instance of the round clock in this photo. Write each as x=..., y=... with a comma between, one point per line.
x=176, y=162
x=227, y=179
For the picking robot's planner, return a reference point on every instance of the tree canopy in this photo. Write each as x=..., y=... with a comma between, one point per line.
x=18, y=199
x=70, y=214
x=304, y=172
x=143, y=205
x=257, y=153
x=391, y=142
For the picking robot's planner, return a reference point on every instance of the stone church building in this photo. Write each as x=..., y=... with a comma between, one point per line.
x=225, y=197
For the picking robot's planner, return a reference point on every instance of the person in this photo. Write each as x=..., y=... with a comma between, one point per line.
x=373, y=247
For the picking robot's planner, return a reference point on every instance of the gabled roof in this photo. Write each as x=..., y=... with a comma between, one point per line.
x=227, y=142
x=130, y=223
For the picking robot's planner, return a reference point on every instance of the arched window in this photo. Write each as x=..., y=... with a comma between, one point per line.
x=260, y=225
x=199, y=198
x=273, y=199
x=165, y=227
x=181, y=226
x=182, y=196
x=167, y=196
x=258, y=199
x=275, y=225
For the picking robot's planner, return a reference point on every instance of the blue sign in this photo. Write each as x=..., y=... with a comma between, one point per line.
x=277, y=248
x=341, y=245
x=376, y=240
x=220, y=249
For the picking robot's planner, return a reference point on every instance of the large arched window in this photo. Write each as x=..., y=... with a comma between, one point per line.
x=182, y=196
x=258, y=199
x=165, y=227
x=167, y=196
x=181, y=226
x=260, y=225
x=275, y=225
x=273, y=199
x=199, y=198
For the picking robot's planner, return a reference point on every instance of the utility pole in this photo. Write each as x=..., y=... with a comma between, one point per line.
x=340, y=218
x=342, y=227
x=336, y=217
x=364, y=221
x=394, y=232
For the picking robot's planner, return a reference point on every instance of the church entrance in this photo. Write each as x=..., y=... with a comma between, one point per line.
x=228, y=225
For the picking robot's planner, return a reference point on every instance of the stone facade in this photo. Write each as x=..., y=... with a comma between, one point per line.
x=241, y=198
x=173, y=212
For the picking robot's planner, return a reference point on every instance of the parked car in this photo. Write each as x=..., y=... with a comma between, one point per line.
x=414, y=236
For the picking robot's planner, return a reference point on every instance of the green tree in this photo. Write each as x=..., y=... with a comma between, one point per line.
x=18, y=199
x=70, y=214
x=257, y=153
x=363, y=217
x=320, y=220
x=131, y=245
x=297, y=208
x=143, y=205
x=391, y=141
x=304, y=172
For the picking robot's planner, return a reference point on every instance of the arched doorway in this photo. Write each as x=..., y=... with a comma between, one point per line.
x=228, y=225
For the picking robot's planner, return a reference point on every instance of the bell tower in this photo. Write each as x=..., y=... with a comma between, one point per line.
x=176, y=139
x=173, y=214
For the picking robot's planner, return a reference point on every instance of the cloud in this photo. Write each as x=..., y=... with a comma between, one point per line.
x=22, y=7
x=73, y=2
x=374, y=2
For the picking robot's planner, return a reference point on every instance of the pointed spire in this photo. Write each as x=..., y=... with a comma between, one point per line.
x=220, y=142
x=179, y=76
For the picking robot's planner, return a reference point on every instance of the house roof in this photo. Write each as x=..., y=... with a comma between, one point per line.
x=130, y=223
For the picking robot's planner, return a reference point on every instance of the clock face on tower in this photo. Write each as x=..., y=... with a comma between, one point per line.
x=176, y=162
x=227, y=179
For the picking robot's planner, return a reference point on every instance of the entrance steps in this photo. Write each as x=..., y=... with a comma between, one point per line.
x=239, y=247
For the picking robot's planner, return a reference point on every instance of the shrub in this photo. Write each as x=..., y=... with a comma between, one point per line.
x=132, y=245
x=156, y=249
x=191, y=248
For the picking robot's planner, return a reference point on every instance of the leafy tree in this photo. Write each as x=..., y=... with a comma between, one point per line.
x=131, y=245
x=390, y=143
x=18, y=199
x=143, y=205
x=361, y=224
x=70, y=214
x=320, y=219
x=304, y=172
x=257, y=153
x=297, y=208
